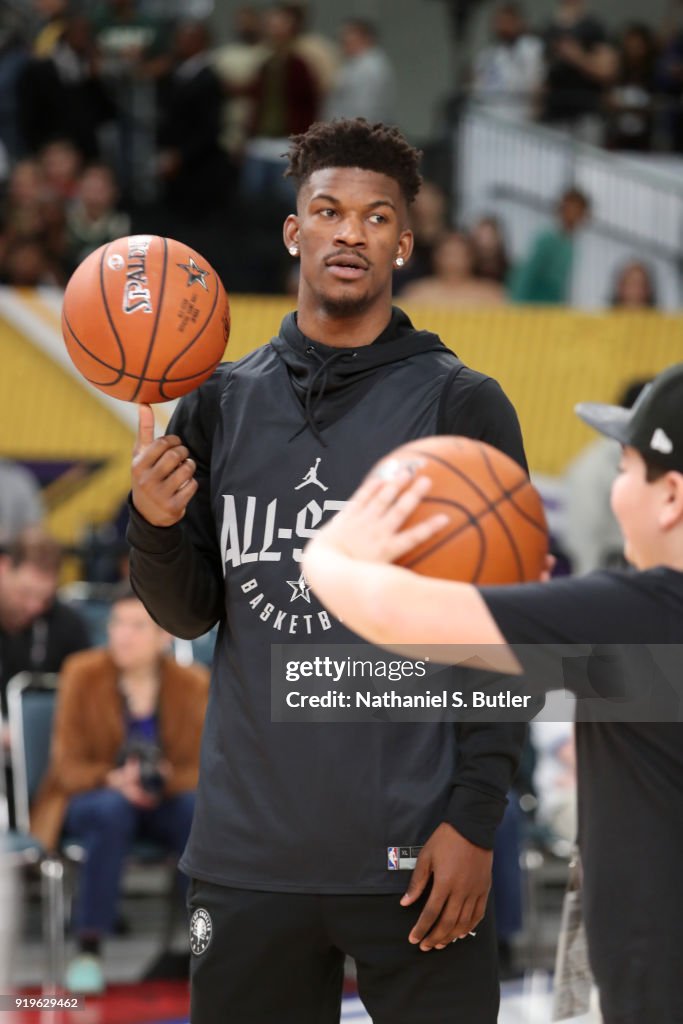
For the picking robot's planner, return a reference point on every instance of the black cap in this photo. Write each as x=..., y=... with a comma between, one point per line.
x=654, y=426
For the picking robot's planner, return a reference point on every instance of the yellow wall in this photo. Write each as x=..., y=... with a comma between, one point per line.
x=545, y=360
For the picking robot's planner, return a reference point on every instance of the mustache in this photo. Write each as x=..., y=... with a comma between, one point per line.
x=348, y=254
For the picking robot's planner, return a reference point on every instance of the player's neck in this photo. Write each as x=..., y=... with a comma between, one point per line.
x=343, y=332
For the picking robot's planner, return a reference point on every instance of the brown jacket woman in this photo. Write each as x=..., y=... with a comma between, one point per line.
x=88, y=733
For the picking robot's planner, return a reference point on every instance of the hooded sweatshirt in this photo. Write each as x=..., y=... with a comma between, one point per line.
x=281, y=439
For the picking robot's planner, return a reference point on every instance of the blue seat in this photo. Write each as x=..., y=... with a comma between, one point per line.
x=32, y=698
x=30, y=727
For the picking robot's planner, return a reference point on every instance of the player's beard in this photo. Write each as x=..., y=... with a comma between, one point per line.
x=346, y=306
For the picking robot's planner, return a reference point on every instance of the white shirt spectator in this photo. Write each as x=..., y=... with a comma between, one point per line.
x=366, y=84
x=507, y=75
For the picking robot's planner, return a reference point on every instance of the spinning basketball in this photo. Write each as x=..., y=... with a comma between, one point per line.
x=145, y=319
x=497, y=531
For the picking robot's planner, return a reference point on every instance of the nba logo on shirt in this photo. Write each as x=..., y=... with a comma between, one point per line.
x=392, y=858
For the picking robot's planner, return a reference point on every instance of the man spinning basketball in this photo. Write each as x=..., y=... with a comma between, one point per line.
x=289, y=847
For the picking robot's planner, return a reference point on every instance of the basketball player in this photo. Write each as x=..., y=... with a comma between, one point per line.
x=291, y=852
x=630, y=774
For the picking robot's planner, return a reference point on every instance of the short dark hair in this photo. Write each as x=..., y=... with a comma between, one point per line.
x=34, y=547
x=653, y=470
x=575, y=195
x=354, y=142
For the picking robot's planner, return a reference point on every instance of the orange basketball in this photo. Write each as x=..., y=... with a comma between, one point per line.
x=145, y=318
x=497, y=532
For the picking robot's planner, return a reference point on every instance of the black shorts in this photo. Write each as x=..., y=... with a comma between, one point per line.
x=278, y=958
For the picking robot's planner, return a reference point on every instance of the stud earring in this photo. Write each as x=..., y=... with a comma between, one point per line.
x=399, y=261
x=293, y=251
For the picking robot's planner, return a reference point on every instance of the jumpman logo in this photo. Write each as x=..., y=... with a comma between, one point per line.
x=311, y=477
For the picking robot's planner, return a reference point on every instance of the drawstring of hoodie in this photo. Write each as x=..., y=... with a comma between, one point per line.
x=316, y=390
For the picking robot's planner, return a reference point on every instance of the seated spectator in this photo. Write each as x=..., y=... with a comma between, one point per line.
x=453, y=282
x=491, y=261
x=61, y=163
x=320, y=53
x=14, y=55
x=630, y=101
x=592, y=535
x=124, y=765
x=93, y=219
x=27, y=264
x=53, y=15
x=507, y=73
x=429, y=223
x=634, y=287
x=62, y=96
x=365, y=84
x=545, y=275
x=237, y=63
x=285, y=100
x=20, y=502
x=191, y=162
x=37, y=631
x=580, y=65
x=670, y=83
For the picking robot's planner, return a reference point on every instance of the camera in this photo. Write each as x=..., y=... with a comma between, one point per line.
x=149, y=757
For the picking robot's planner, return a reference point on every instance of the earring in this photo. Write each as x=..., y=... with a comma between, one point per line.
x=399, y=261
x=293, y=251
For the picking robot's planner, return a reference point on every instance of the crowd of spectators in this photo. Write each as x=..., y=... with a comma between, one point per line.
x=623, y=90
x=473, y=266
x=101, y=136
x=114, y=120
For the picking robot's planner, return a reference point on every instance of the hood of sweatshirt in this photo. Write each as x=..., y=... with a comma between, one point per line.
x=328, y=381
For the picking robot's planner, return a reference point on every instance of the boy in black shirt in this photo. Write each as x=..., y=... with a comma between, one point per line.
x=630, y=774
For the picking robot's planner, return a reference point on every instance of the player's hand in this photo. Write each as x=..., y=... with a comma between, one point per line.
x=163, y=474
x=370, y=526
x=461, y=880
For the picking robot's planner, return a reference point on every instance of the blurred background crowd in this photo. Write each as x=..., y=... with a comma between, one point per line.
x=132, y=116
x=116, y=117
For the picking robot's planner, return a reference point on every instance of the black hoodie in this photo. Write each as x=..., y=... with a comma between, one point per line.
x=281, y=439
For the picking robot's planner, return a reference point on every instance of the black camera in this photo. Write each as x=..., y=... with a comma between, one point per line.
x=149, y=758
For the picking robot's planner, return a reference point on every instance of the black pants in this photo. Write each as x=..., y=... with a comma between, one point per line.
x=262, y=957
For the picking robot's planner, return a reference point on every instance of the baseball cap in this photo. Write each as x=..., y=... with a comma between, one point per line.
x=654, y=426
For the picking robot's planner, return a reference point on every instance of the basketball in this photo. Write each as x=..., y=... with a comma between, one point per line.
x=145, y=318
x=497, y=532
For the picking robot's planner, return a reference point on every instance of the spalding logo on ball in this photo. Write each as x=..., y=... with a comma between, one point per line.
x=145, y=319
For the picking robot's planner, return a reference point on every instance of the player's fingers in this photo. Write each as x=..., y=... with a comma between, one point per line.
x=402, y=543
x=445, y=929
x=145, y=427
x=183, y=496
x=430, y=913
x=418, y=881
x=170, y=460
x=179, y=478
x=145, y=458
x=466, y=919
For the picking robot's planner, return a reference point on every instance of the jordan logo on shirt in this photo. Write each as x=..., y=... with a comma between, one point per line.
x=311, y=477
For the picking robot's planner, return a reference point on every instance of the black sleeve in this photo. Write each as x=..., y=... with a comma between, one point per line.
x=488, y=758
x=176, y=570
x=69, y=633
x=476, y=406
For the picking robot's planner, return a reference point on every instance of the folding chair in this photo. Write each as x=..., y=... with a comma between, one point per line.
x=30, y=703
